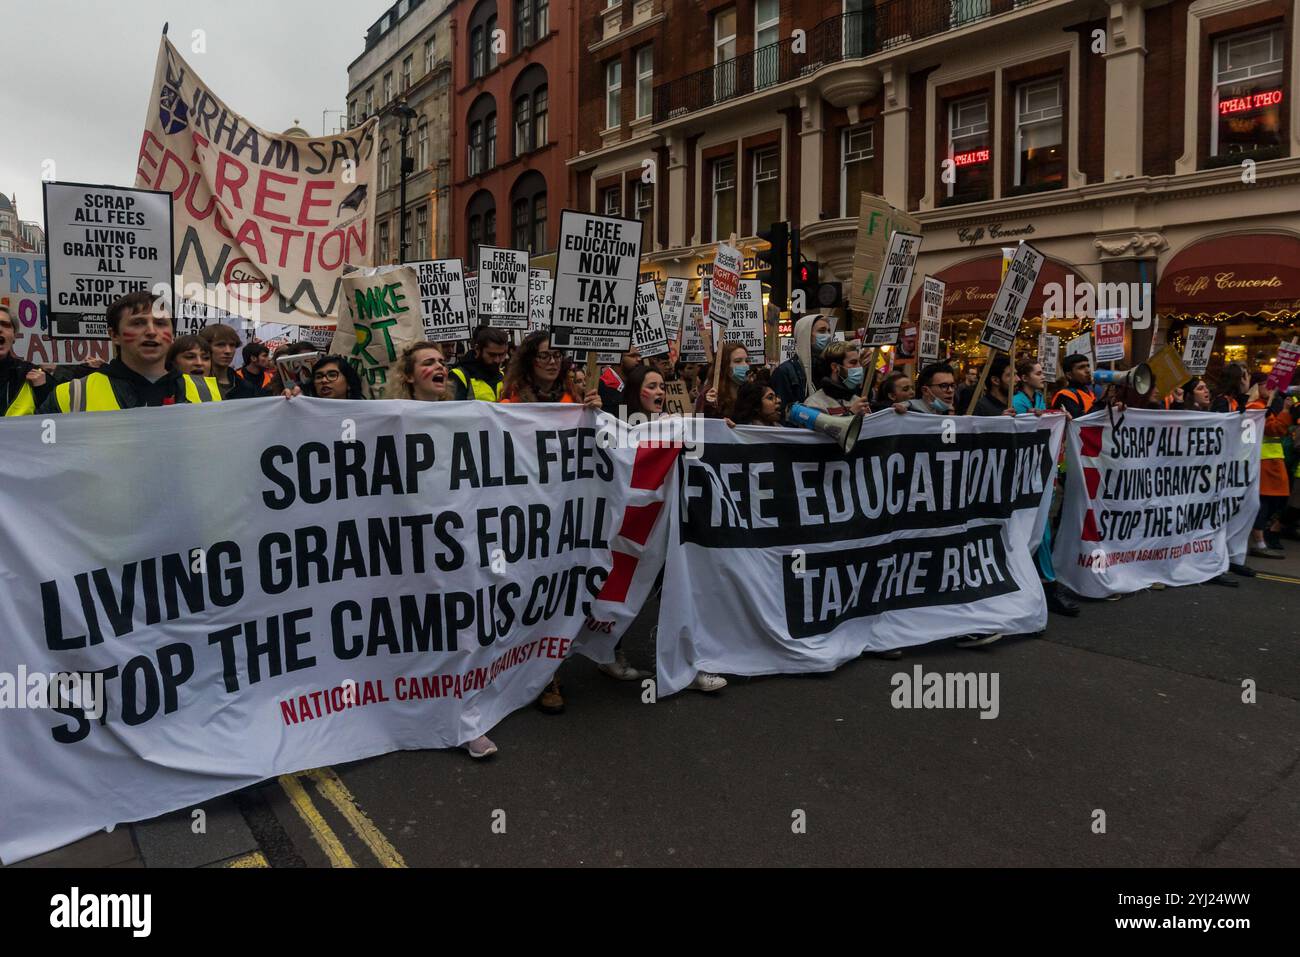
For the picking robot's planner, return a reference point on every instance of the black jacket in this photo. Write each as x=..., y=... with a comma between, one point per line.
x=132, y=390
x=13, y=376
x=474, y=369
x=241, y=388
x=988, y=405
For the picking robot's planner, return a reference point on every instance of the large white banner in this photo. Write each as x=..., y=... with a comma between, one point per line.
x=785, y=555
x=1157, y=496
x=355, y=578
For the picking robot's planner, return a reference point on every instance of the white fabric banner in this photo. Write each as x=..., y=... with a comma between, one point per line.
x=1158, y=496
x=346, y=579
x=786, y=556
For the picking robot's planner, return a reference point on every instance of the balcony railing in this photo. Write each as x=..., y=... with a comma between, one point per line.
x=848, y=36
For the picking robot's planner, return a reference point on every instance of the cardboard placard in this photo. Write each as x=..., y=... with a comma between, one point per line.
x=471, y=299
x=444, y=306
x=503, y=288
x=596, y=272
x=1008, y=309
x=380, y=316
x=103, y=242
x=1168, y=369
x=677, y=398
x=295, y=370
x=895, y=281
x=877, y=220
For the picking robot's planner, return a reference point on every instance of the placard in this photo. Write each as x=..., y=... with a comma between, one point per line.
x=1049, y=349
x=1080, y=346
x=380, y=317
x=746, y=326
x=1008, y=310
x=103, y=242
x=471, y=299
x=1108, y=335
x=695, y=342
x=444, y=308
x=677, y=398
x=787, y=348
x=724, y=282
x=25, y=290
x=596, y=273
x=674, y=306
x=648, y=333
x=1284, y=368
x=887, y=306
x=1199, y=345
x=877, y=220
x=540, y=295
x=932, y=293
x=503, y=287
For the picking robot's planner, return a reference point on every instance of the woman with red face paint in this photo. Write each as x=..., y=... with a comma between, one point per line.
x=421, y=374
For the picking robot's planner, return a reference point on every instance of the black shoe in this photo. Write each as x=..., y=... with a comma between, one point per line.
x=1225, y=581
x=1058, y=603
x=1245, y=571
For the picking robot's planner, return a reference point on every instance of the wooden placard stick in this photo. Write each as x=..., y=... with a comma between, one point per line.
x=989, y=353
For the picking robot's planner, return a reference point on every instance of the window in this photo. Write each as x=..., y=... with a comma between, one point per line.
x=491, y=42
x=388, y=88
x=481, y=213
x=407, y=66
x=523, y=29
x=477, y=54
x=542, y=18
x=422, y=145
x=645, y=76
x=724, y=199
x=539, y=224
x=767, y=187
x=1040, y=157
x=857, y=146
x=1248, y=97
x=475, y=237
x=428, y=55
x=724, y=52
x=490, y=139
x=370, y=101
x=385, y=175
x=529, y=109
x=482, y=24
x=767, y=30
x=403, y=254
x=965, y=11
x=523, y=127
x=383, y=243
x=422, y=233
x=475, y=149
x=540, y=116
x=968, y=148
x=611, y=201
x=352, y=113
x=613, y=94
x=855, y=29
x=645, y=206
x=521, y=211
x=482, y=124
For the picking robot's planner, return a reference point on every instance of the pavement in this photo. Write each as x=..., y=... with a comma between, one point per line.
x=1162, y=729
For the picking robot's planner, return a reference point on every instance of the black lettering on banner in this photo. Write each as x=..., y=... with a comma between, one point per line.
x=926, y=572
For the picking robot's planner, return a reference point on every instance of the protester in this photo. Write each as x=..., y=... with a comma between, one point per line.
x=757, y=404
x=332, y=377
x=23, y=386
x=1174, y=400
x=257, y=369
x=1274, y=483
x=720, y=402
x=420, y=374
x=792, y=380
x=536, y=374
x=689, y=373
x=1232, y=389
x=613, y=382
x=577, y=378
x=643, y=392
x=1196, y=395
x=478, y=374
x=894, y=388
x=838, y=392
x=1030, y=394
x=140, y=326
x=1077, y=398
x=224, y=342
x=996, y=399
x=936, y=385
x=190, y=355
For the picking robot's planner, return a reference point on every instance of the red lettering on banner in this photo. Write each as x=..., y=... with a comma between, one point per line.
x=304, y=211
x=144, y=156
x=250, y=235
x=265, y=192
x=224, y=180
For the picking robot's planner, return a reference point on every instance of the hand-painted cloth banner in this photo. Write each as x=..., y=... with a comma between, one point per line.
x=25, y=288
x=784, y=555
x=1157, y=497
x=406, y=586
x=381, y=316
x=270, y=217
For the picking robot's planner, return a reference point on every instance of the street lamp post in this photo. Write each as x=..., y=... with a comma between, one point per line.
x=406, y=114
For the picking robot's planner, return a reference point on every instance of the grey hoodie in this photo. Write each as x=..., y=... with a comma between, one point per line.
x=792, y=380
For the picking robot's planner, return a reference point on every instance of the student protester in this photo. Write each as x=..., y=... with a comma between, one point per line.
x=1274, y=483
x=576, y=378
x=935, y=385
x=140, y=326
x=257, y=369
x=996, y=399
x=332, y=377
x=224, y=343
x=894, y=388
x=720, y=402
x=841, y=383
x=23, y=386
x=537, y=374
x=1196, y=395
x=967, y=387
x=1077, y=398
x=689, y=373
x=1232, y=389
x=1174, y=400
x=662, y=365
x=613, y=382
x=792, y=381
x=190, y=355
x=757, y=404
x=1031, y=389
x=420, y=374
x=478, y=374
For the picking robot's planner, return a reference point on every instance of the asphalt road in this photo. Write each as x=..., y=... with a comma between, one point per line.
x=1134, y=709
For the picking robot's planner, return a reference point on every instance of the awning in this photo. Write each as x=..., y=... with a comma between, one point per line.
x=973, y=285
x=1230, y=277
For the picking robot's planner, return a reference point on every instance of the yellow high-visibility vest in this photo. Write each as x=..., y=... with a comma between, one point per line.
x=477, y=387
x=94, y=393
x=25, y=403
x=1271, y=448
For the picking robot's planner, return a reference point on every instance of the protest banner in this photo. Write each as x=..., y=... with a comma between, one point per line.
x=503, y=288
x=1162, y=497
x=319, y=338
x=1003, y=321
x=348, y=605
x=1080, y=346
x=932, y=293
x=723, y=284
x=1049, y=354
x=1108, y=335
x=787, y=348
x=596, y=273
x=677, y=398
x=674, y=307
x=648, y=333
x=892, y=286
x=380, y=318
x=1284, y=368
x=918, y=534
x=695, y=339
x=1197, y=349
x=270, y=218
x=295, y=370
x=24, y=289
x=877, y=221
x=540, y=294
x=444, y=310
x=471, y=299
x=746, y=324
x=103, y=242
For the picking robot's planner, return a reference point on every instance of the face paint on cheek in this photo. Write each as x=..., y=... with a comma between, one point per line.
x=166, y=337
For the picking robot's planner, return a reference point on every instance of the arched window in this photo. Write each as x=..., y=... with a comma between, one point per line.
x=482, y=24
x=482, y=124
x=528, y=213
x=422, y=145
x=385, y=176
x=481, y=223
x=528, y=99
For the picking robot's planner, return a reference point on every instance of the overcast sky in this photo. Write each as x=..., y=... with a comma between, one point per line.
x=75, y=75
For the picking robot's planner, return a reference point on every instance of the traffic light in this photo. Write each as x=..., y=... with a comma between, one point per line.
x=806, y=280
x=775, y=263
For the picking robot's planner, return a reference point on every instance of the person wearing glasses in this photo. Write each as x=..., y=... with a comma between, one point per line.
x=333, y=378
x=935, y=387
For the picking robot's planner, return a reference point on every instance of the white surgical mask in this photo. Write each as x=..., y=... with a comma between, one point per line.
x=821, y=341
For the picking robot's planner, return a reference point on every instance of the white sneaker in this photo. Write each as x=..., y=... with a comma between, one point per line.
x=481, y=747
x=977, y=641
x=707, y=682
x=621, y=670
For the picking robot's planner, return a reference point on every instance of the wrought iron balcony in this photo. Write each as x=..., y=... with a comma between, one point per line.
x=848, y=36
